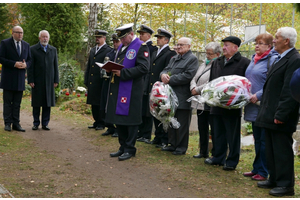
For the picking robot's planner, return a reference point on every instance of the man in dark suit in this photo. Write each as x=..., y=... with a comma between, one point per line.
x=159, y=60
x=43, y=77
x=227, y=122
x=93, y=79
x=124, y=106
x=144, y=135
x=279, y=115
x=15, y=57
x=178, y=74
x=111, y=129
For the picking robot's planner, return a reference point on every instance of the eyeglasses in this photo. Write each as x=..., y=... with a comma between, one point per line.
x=260, y=44
x=181, y=45
x=19, y=32
x=210, y=54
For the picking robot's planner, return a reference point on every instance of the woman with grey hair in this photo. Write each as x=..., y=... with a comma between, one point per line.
x=213, y=51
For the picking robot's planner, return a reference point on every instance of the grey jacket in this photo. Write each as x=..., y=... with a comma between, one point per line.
x=198, y=82
x=182, y=69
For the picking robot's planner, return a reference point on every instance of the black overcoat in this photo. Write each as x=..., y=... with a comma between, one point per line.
x=136, y=74
x=43, y=73
x=92, y=78
x=13, y=78
x=277, y=101
x=237, y=65
x=157, y=64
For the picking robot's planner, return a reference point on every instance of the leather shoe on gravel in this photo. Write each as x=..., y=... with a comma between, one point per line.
x=168, y=148
x=115, y=134
x=99, y=128
x=228, y=168
x=46, y=128
x=125, y=156
x=248, y=174
x=108, y=132
x=35, y=128
x=265, y=184
x=200, y=156
x=116, y=154
x=282, y=191
x=178, y=153
x=258, y=177
x=7, y=127
x=18, y=128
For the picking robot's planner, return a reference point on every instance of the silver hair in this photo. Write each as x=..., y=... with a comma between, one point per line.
x=40, y=33
x=215, y=46
x=189, y=40
x=288, y=33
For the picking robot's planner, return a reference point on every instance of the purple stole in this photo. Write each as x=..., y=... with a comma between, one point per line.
x=125, y=87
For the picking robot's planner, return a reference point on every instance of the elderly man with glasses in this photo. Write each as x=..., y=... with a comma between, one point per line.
x=178, y=74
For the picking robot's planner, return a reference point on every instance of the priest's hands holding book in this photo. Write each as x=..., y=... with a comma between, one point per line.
x=116, y=72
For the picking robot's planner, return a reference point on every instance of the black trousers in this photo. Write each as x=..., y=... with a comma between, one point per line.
x=11, y=106
x=145, y=129
x=127, y=138
x=280, y=158
x=179, y=138
x=160, y=134
x=227, y=134
x=99, y=121
x=45, y=115
x=204, y=120
x=110, y=127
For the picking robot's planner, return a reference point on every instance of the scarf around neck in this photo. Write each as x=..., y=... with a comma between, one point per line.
x=257, y=57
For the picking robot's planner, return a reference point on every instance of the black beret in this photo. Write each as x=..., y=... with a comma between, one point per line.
x=233, y=39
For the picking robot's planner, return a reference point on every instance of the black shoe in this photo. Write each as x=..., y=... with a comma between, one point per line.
x=125, y=156
x=178, y=153
x=35, y=127
x=92, y=126
x=108, y=132
x=18, y=128
x=154, y=141
x=115, y=134
x=168, y=148
x=147, y=141
x=228, y=168
x=160, y=145
x=141, y=139
x=200, y=156
x=209, y=161
x=7, y=127
x=282, y=191
x=99, y=128
x=266, y=184
x=116, y=154
x=46, y=128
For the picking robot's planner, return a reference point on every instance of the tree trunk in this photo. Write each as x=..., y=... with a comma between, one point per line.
x=92, y=26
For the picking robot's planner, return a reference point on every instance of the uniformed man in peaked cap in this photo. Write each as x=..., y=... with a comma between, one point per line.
x=159, y=60
x=93, y=80
x=145, y=35
x=124, y=106
x=111, y=129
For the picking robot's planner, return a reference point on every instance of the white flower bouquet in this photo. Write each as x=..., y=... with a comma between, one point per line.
x=163, y=104
x=230, y=92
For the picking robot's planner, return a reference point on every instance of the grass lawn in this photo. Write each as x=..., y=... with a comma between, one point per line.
x=211, y=181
